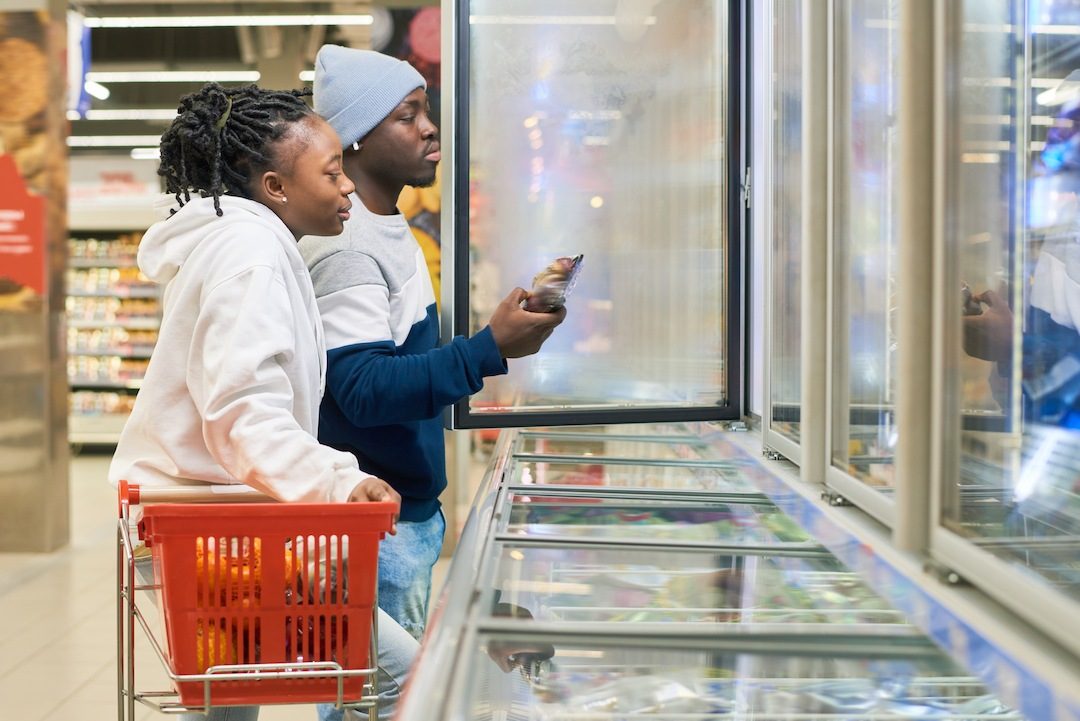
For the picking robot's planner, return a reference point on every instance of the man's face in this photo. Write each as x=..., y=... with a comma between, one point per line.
x=404, y=147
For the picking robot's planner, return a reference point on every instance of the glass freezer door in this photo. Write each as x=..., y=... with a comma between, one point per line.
x=602, y=128
x=522, y=676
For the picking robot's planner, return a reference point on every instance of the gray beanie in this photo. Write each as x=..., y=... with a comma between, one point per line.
x=356, y=89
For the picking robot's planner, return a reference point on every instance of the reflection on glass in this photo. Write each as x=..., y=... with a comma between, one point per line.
x=599, y=128
x=598, y=682
x=648, y=448
x=607, y=585
x=651, y=430
x=611, y=518
x=786, y=217
x=728, y=478
x=864, y=437
x=1016, y=225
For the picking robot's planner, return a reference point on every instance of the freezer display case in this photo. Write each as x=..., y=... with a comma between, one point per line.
x=864, y=243
x=598, y=679
x=608, y=585
x=619, y=445
x=653, y=519
x=606, y=604
x=784, y=303
x=1010, y=498
x=628, y=474
x=600, y=128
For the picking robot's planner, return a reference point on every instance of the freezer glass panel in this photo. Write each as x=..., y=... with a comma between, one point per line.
x=786, y=286
x=1014, y=231
x=724, y=478
x=613, y=585
x=598, y=128
x=612, y=518
x=645, y=430
x=864, y=242
x=624, y=447
x=583, y=680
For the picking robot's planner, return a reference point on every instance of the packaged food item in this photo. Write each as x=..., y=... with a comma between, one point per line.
x=553, y=284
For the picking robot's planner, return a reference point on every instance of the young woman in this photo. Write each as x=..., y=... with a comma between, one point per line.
x=232, y=391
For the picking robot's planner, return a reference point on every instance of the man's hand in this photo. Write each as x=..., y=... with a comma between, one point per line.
x=376, y=489
x=518, y=332
x=509, y=655
x=988, y=336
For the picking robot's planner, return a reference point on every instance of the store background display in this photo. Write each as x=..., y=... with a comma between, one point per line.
x=33, y=443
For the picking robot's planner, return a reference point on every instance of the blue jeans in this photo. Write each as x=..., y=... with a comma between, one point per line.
x=405, y=563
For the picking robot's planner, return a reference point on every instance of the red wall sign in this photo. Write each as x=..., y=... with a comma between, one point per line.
x=22, y=230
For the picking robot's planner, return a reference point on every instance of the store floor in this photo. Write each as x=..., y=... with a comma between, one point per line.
x=58, y=630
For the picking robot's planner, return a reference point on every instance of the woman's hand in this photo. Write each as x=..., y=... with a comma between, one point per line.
x=373, y=489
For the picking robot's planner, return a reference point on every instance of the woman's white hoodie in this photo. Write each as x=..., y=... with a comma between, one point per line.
x=233, y=388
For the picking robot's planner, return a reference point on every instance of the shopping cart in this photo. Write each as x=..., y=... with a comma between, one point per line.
x=261, y=602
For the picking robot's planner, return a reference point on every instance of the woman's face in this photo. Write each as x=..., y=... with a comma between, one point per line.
x=309, y=191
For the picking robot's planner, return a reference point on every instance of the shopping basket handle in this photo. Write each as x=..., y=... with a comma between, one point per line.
x=132, y=494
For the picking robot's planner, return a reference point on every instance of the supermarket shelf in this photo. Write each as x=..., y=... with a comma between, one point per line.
x=136, y=214
x=101, y=428
x=102, y=263
x=139, y=354
x=148, y=293
x=108, y=385
x=129, y=323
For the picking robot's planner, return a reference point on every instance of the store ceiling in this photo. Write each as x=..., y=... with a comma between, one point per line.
x=277, y=53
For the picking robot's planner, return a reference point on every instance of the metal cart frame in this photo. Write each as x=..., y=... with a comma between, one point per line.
x=129, y=615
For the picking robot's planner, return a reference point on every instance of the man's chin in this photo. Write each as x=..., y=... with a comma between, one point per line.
x=425, y=182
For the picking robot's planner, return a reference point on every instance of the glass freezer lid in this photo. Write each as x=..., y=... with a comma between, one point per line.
x=600, y=445
x=613, y=679
x=606, y=585
x=600, y=472
x=615, y=518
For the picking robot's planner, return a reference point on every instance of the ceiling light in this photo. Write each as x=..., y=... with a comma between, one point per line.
x=111, y=141
x=596, y=201
x=130, y=114
x=215, y=21
x=96, y=89
x=145, y=154
x=307, y=76
x=549, y=20
x=174, y=76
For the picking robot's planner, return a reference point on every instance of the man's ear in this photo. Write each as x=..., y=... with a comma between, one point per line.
x=272, y=188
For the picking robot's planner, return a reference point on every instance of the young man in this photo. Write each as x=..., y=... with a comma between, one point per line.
x=388, y=379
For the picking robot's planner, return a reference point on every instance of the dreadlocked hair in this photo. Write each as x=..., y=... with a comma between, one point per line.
x=223, y=137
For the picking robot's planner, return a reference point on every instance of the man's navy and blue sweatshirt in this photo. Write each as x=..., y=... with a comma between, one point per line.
x=387, y=378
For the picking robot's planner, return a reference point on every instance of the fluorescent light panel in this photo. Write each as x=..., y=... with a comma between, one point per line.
x=112, y=141
x=550, y=20
x=174, y=76
x=214, y=21
x=128, y=114
x=96, y=90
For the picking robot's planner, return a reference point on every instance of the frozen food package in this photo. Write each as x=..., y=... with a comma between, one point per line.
x=553, y=284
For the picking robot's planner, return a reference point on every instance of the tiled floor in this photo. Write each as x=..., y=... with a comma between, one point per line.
x=57, y=620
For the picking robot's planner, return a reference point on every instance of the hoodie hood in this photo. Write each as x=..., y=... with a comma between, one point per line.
x=167, y=244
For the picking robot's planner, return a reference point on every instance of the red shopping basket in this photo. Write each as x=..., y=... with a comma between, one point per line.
x=258, y=583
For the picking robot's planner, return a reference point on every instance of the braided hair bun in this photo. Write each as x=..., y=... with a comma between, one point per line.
x=222, y=138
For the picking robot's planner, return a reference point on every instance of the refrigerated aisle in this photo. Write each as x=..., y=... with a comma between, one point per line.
x=678, y=585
